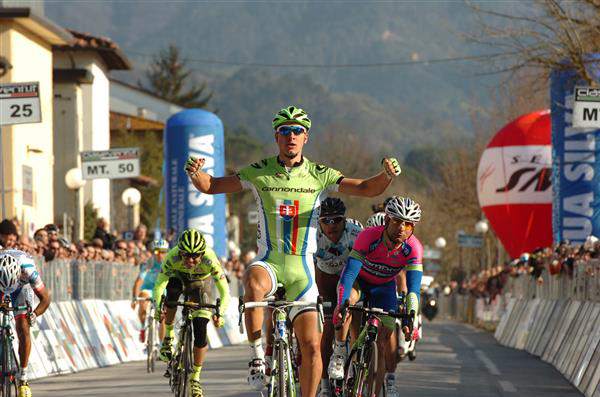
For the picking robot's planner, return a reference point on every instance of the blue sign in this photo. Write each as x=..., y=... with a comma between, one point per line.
x=195, y=132
x=575, y=166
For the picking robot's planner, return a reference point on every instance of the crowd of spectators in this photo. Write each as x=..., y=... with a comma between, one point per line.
x=559, y=260
x=49, y=243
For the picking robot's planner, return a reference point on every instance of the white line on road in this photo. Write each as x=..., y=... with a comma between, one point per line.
x=491, y=367
x=466, y=341
x=507, y=386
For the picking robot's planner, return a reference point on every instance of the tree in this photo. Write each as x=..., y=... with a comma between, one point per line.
x=554, y=35
x=168, y=78
x=90, y=220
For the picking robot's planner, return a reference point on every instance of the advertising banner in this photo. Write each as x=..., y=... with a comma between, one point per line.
x=575, y=166
x=198, y=133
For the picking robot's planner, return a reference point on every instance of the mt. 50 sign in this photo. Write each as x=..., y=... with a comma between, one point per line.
x=111, y=164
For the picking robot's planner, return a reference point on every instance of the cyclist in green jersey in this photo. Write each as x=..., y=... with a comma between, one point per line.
x=288, y=189
x=186, y=269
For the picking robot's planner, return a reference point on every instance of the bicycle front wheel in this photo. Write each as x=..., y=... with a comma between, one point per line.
x=282, y=371
x=370, y=358
x=185, y=364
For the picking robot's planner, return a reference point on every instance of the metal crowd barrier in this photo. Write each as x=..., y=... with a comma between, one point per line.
x=69, y=279
x=584, y=285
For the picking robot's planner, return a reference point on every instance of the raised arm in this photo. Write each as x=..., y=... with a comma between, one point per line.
x=207, y=183
x=374, y=185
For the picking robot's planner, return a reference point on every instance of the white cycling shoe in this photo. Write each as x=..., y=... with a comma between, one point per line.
x=257, y=377
x=325, y=392
x=391, y=390
x=336, y=366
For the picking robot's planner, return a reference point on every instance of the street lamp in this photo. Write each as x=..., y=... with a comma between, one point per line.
x=482, y=227
x=440, y=243
x=75, y=182
x=130, y=197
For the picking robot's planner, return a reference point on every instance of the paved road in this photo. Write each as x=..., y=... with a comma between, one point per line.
x=453, y=360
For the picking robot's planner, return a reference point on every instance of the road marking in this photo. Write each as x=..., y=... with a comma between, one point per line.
x=507, y=386
x=491, y=367
x=466, y=341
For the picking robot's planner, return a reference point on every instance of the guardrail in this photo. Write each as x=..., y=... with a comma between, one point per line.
x=69, y=279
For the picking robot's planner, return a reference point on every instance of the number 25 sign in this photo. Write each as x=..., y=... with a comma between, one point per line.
x=20, y=103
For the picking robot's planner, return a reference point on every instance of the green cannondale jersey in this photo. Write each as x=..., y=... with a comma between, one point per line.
x=288, y=203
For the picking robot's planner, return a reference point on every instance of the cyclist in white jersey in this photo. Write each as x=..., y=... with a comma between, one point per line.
x=334, y=242
x=20, y=279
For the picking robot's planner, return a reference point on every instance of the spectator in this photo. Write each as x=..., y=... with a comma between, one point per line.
x=41, y=235
x=139, y=236
x=52, y=231
x=52, y=251
x=8, y=234
x=103, y=234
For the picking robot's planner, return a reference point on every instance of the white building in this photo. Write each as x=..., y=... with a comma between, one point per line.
x=82, y=116
x=26, y=41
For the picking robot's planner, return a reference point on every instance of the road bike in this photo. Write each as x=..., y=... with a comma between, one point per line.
x=10, y=363
x=283, y=377
x=182, y=360
x=152, y=339
x=360, y=368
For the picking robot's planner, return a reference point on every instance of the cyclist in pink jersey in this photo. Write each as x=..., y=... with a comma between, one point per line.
x=378, y=255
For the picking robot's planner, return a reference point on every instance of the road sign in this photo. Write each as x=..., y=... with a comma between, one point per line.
x=20, y=103
x=111, y=164
x=469, y=240
x=586, y=109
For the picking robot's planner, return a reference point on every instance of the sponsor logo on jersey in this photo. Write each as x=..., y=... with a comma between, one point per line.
x=288, y=189
x=406, y=249
x=287, y=212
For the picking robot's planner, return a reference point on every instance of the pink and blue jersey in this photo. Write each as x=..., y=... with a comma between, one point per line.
x=374, y=265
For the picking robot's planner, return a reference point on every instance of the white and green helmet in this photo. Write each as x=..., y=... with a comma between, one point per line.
x=291, y=114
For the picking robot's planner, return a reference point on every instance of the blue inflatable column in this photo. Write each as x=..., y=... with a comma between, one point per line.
x=199, y=133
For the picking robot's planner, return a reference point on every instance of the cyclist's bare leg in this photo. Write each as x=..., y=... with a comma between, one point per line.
x=257, y=284
x=390, y=353
x=199, y=355
x=143, y=308
x=383, y=338
x=162, y=330
x=22, y=327
x=342, y=332
x=170, y=315
x=327, y=283
x=355, y=327
x=309, y=339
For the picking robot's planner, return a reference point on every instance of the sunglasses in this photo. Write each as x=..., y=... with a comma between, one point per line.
x=191, y=255
x=404, y=223
x=156, y=252
x=332, y=221
x=286, y=130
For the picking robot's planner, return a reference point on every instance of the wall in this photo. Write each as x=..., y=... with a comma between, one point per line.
x=31, y=58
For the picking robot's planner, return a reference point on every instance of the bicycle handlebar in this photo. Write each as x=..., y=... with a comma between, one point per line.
x=198, y=306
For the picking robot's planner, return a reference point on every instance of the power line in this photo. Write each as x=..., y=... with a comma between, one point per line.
x=336, y=65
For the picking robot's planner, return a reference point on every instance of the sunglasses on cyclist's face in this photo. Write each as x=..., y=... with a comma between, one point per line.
x=286, y=130
x=191, y=255
x=400, y=222
x=158, y=252
x=332, y=221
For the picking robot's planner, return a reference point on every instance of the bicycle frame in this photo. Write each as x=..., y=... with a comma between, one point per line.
x=282, y=382
x=9, y=359
x=181, y=363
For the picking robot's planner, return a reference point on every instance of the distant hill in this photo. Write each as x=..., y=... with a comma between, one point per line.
x=401, y=106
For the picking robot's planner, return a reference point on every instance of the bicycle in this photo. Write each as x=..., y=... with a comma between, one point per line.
x=180, y=365
x=152, y=340
x=283, y=380
x=360, y=368
x=10, y=363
